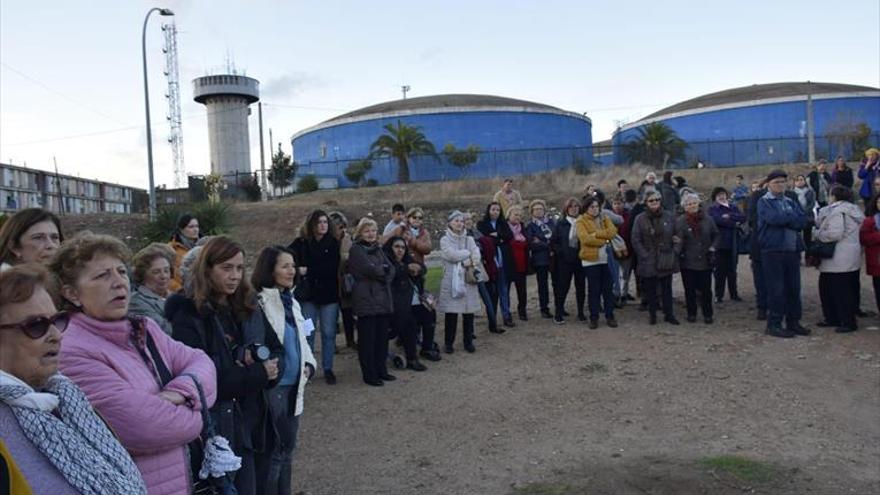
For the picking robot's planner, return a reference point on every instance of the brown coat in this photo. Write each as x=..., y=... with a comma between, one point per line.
x=419, y=246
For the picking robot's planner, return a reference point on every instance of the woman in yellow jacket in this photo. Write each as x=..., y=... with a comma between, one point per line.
x=182, y=241
x=595, y=231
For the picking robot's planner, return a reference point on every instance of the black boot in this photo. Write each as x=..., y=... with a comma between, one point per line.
x=468, y=332
x=653, y=318
x=450, y=323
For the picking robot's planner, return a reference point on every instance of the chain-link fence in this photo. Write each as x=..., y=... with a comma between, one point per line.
x=500, y=163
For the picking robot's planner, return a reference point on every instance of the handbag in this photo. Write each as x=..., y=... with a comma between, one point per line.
x=458, y=281
x=348, y=282
x=619, y=247
x=821, y=250
x=215, y=486
x=302, y=290
x=222, y=485
x=666, y=260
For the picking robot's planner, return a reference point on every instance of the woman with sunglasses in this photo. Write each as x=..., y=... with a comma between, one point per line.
x=51, y=440
x=657, y=243
x=416, y=235
x=134, y=374
x=30, y=236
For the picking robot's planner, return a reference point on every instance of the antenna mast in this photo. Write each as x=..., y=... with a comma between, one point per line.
x=172, y=74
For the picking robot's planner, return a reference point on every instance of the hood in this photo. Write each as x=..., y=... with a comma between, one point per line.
x=849, y=209
x=175, y=303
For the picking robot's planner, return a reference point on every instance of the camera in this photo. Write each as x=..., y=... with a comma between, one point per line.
x=259, y=352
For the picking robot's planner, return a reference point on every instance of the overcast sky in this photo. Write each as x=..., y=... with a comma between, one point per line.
x=71, y=78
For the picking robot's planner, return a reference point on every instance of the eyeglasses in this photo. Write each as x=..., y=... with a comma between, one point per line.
x=655, y=200
x=417, y=217
x=38, y=326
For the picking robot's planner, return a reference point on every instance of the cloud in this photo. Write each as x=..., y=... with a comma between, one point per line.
x=288, y=85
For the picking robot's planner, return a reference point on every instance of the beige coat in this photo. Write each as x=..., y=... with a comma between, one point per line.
x=455, y=249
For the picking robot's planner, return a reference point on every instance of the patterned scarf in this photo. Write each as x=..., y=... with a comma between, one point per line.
x=77, y=443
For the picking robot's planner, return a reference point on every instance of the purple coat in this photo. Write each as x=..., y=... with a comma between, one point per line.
x=101, y=359
x=726, y=226
x=41, y=475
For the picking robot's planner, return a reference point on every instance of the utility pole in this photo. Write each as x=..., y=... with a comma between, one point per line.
x=405, y=89
x=58, y=186
x=263, y=190
x=811, y=126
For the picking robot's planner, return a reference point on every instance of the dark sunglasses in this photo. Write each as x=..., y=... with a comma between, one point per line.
x=416, y=217
x=38, y=326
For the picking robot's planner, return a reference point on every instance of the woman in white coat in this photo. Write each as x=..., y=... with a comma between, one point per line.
x=839, y=222
x=273, y=278
x=457, y=297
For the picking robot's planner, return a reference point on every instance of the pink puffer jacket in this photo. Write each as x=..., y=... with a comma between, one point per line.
x=100, y=357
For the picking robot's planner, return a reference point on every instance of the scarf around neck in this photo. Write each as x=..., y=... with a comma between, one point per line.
x=76, y=441
x=517, y=231
x=693, y=220
x=572, y=232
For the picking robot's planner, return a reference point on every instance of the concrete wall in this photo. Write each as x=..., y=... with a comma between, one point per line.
x=228, y=134
x=511, y=143
x=770, y=133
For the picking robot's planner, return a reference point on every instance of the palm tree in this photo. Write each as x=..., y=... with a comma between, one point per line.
x=400, y=142
x=656, y=145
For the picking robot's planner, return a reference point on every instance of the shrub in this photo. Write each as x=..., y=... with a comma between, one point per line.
x=213, y=220
x=356, y=172
x=307, y=184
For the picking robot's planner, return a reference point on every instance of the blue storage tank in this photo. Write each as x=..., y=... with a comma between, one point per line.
x=515, y=137
x=765, y=123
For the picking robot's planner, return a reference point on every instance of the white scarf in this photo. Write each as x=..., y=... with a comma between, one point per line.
x=76, y=441
x=572, y=232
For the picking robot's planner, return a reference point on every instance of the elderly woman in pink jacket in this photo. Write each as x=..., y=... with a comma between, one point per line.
x=139, y=379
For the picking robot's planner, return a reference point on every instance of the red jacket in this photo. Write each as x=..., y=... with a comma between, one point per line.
x=487, y=253
x=520, y=251
x=869, y=236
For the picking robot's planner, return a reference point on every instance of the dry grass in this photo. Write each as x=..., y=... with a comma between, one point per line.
x=261, y=224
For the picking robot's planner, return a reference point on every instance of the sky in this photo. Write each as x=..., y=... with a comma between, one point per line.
x=71, y=79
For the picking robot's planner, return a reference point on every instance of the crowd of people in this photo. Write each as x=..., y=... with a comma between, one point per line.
x=172, y=370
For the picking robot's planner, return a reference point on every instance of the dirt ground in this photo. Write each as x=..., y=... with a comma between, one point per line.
x=563, y=410
x=548, y=409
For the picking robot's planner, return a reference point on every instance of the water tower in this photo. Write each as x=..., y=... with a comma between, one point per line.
x=227, y=97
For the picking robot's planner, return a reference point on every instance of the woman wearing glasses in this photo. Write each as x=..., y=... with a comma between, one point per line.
x=134, y=374
x=417, y=237
x=657, y=243
x=51, y=440
x=29, y=236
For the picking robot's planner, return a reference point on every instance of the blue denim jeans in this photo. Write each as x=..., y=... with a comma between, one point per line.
x=503, y=293
x=324, y=317
x=281, y=468
x=613, y=271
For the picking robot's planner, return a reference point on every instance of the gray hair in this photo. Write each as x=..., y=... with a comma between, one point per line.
x=688, y=197
x=453, y=214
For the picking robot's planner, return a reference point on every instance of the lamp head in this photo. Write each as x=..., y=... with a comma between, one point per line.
x=166, y=12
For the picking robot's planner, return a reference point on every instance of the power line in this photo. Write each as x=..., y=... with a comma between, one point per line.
x=158, y=122
x=59, y=94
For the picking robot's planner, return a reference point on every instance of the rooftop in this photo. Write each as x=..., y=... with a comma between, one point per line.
x=760, y=92
x=444, y=101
